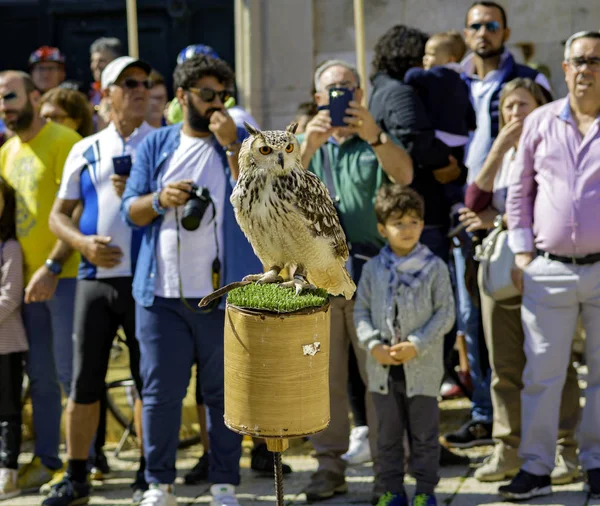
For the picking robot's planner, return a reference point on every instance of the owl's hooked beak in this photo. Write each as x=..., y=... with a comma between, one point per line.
x=280, y=158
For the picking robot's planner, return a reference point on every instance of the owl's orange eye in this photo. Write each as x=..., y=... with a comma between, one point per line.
x=289, y=148
x=265, y=150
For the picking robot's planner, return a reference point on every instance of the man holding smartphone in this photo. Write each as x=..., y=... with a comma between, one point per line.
x=95, y=175
x=344, y=147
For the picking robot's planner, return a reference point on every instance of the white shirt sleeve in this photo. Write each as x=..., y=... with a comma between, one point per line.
x=70, y=188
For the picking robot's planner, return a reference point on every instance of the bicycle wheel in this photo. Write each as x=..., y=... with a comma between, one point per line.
x=125, y=417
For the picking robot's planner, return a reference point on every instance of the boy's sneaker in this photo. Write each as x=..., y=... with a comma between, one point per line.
x=199, y=472
x=389, y=499
x=424, y=500
x=223, y=495
x=593, y=483
x=159, y=495
x=359, y=451
x=58, y=477
x=139, y=487
x=68, y=493
x=8, y=483
x=262, y=461
x=525, y=486
x=35, y=474
x=100, y=469
x=472, y=433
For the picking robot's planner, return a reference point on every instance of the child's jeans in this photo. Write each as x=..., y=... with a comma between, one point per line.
x=419, y=416
x=11, y=379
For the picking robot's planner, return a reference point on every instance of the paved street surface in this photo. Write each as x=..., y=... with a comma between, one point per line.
x=457, y=486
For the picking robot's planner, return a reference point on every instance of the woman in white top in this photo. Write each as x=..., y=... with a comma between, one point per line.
x=485, y=200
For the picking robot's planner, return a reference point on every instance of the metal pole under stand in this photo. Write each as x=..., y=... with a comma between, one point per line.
x=277, y=446
x=132, y=29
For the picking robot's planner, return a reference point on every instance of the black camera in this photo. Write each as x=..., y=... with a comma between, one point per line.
x=195, y=207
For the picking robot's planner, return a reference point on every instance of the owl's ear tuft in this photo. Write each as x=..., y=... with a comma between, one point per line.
x=291, y=128
x=250, y=129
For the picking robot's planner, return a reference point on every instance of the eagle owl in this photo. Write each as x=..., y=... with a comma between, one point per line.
x=287, y=215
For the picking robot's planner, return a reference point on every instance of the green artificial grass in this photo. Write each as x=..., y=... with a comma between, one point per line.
x=271, y=297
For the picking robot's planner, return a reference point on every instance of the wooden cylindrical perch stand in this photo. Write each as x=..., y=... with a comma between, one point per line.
x=277, y=376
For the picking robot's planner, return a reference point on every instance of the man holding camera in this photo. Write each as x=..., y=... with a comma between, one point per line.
x=353, y=160
x=179, y=191
x=94, y=177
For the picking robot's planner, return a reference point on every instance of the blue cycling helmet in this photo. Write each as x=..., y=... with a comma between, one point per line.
x=195, y=49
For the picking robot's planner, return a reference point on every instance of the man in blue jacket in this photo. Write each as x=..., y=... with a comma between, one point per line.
x=179, y=263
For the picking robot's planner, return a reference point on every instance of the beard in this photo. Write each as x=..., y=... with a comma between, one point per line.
x=490, y=53
x=23, y=120
x=199, y=122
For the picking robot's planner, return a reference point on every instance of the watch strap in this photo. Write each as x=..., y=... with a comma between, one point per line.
x=377, y=142
x=53, y=266
x=156, y=206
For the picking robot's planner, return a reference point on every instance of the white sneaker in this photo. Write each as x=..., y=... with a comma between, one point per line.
x=359, y=450
x=223, y=495
x=159, y=495
x=8, y=484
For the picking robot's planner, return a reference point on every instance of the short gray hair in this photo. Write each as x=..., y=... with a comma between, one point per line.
x=110, y=44
x=334, y=63
x=576, y=36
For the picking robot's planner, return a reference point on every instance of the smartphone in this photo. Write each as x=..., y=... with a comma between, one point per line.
x=339, y=101
x=122, y=165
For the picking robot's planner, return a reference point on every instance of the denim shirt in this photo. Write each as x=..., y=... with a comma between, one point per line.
x=239, y=258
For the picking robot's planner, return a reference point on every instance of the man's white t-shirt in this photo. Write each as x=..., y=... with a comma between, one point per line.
x=86, y=177
x=198, y=160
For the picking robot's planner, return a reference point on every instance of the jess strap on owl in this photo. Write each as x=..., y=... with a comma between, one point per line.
x=496, y=261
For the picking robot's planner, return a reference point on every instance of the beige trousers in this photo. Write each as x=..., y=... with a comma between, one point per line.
x=332, y=443
x=505, y=339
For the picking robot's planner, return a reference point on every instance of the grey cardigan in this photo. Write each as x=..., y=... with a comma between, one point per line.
x=426, y=313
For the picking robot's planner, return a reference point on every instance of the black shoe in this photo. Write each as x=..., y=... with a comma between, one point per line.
x=199, y=472
x=448, y=458
x=593, y=479
x=100, y=469
x=262, y=461
x=525, y=486
x=469, y=435
x=68, y=493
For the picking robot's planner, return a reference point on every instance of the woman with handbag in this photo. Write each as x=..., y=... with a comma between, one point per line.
x=501, y=302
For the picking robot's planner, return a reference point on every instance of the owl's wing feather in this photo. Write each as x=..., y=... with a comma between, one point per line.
x=316, y=207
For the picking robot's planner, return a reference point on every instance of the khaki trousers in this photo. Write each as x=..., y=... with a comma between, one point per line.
x=332, y=443
x=505, y=340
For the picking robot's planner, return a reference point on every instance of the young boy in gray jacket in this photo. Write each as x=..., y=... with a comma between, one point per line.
x=404, y=307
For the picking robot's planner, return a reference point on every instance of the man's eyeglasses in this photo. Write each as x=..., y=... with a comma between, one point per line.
x=132, y=84
x=208, y=94
x=490, y=26
x=55, y=118
x=592, y=63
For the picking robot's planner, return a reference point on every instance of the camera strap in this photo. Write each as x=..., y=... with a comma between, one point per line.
x=216, y=265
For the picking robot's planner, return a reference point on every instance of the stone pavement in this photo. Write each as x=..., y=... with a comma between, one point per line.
x=457, y=486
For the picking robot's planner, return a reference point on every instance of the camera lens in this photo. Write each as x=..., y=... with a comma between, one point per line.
x=194, y=209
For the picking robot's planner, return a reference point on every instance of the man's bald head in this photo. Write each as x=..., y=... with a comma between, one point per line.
x=24, y=77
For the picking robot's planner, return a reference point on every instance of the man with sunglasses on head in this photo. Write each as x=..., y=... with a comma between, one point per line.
x=94, y=177
x=179, y=264
x=47, y=68
x=489, y=66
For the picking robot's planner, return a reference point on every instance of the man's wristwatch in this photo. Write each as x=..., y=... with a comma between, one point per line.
x=230, y=148
x=53, y=266
x=379, y=141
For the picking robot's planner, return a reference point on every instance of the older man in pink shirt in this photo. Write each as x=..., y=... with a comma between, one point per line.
x=554, y=221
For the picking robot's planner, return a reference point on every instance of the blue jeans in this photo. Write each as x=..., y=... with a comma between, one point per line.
x=171, y=339
x=468, y=322
x=49, y=327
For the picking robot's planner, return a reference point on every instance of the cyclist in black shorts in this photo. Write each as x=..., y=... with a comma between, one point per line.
x=94, y=175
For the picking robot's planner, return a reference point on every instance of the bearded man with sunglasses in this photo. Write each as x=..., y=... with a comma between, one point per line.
x=94, y=177
x=178, y=265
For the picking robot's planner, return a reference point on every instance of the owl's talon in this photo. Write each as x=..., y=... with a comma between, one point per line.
x=299, y=284
x=263, y=279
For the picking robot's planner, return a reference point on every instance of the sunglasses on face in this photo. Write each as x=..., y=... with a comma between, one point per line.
x=490, y=26
x=56, y=118
x=132, y=84
x=592, y=63
x=208, y=94
x=11, y=95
